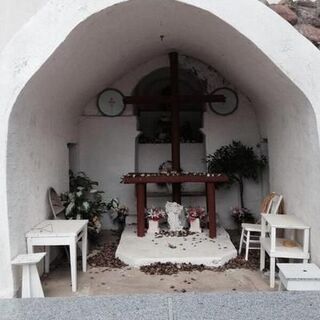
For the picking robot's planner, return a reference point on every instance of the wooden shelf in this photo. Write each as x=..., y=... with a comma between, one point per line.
x=282, y=251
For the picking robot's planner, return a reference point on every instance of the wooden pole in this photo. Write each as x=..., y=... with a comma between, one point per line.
x=141, y=205
x=211, y=208
x=175, y=124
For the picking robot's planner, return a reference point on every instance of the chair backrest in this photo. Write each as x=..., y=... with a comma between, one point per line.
x=274, y=204
x=55, y=203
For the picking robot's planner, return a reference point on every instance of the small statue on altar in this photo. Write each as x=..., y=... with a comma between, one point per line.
x=176, y=216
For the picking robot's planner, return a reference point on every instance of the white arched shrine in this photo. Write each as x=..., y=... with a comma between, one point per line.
x=70, y=50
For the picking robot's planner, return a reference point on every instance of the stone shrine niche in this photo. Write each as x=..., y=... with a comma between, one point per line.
x=153, y=145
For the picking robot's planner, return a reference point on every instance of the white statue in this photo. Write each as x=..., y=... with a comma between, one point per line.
x=176, y=216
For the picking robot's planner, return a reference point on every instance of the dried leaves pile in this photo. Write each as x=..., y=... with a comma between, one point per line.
x=172, y=268
x=105, y=257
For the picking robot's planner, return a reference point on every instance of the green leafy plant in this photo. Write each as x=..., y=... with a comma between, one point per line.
x=238, y=162
x=118, y=212
x=84, y=201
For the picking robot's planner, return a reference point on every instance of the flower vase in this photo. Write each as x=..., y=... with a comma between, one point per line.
x=195, y=225
x=153, y=226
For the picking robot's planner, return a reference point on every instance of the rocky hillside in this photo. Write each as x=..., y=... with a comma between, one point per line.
x=304, y=15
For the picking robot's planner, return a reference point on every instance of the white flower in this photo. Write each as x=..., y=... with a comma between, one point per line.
x=79, y=194
x=86, y=206
x=69, y=208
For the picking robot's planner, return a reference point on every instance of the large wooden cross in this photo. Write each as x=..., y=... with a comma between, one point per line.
x=174, y=100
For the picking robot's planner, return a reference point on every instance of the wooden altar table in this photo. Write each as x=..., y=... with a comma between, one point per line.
x=142, y=179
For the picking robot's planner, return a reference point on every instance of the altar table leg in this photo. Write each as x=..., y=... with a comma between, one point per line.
x=211, y=208
x=141, y=205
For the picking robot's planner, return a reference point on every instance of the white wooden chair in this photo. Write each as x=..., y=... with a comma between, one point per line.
x=251, y=232
x=55, y=203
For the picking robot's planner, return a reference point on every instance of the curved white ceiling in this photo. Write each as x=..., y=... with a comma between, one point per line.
x=112, y=42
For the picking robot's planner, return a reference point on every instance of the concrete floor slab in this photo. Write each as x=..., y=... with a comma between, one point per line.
x=196, y=249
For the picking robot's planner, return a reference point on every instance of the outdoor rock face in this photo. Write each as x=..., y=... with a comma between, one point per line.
x=310, y=32
x=304, y=15
x=285, y=12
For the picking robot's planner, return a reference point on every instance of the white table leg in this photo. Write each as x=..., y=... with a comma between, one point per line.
x=47, y=260
x=262, y=251
x=272, y=271
x=262, y=259
x=29, y=246
x=73, y=264
x=247, y=245
x=306, y=235
x=280, y=286
x=241, y=240
x=84, y=249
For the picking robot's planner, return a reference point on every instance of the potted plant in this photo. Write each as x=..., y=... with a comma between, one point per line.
x=118, y=213
x=84, y=201
x=239, y=163
x=194, y=215
x=153, y=216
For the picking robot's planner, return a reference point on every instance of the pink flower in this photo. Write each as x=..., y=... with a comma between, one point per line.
x=195, y=213
x=155, y=214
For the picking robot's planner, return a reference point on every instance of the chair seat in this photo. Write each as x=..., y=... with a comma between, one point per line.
x=251, y=227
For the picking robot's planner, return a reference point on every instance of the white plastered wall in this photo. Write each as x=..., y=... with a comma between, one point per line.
x=279, y=73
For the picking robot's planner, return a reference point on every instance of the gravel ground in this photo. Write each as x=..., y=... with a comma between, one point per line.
x=217, y=306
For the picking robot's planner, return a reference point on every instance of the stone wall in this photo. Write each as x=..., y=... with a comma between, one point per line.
x=304, y=15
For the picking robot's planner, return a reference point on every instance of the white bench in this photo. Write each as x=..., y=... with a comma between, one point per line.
x=299, y=276
x=31, y=284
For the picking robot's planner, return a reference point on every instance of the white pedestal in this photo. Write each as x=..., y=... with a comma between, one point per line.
x=195, y=226
x=31, y=284
x=153, y=227
x=299, y=276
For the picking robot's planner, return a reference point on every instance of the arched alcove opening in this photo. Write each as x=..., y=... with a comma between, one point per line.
x=153, y=145
x=46, y=111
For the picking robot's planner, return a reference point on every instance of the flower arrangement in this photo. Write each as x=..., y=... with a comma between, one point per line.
x=194, y=213
x=241, y=215
x=155, y=214
x=117, y=212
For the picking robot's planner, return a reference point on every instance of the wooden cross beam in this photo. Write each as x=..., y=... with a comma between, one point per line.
x=154, y=101
x=174, y=100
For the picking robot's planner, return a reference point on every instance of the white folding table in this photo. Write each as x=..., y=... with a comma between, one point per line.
x=61, y=233
x=276, y=247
